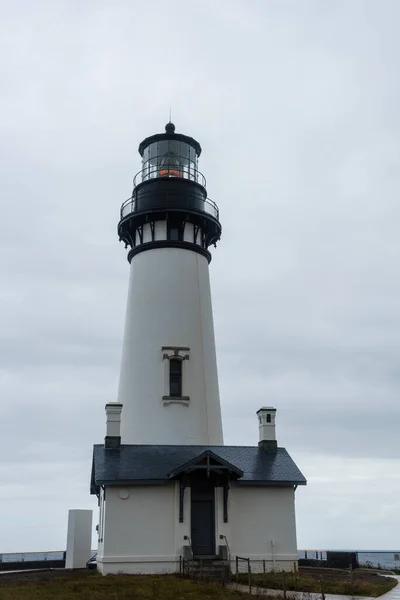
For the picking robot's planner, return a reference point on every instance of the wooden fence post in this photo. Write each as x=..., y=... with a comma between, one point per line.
x=322, y=588
x=249, y=572
x=351, y=579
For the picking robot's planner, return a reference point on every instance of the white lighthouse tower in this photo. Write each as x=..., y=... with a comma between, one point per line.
x=169, y=382
x=169, y=491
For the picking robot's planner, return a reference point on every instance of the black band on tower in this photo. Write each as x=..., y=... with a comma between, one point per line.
x=169, y=244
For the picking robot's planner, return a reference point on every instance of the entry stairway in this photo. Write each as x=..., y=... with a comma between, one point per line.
x=210, y=568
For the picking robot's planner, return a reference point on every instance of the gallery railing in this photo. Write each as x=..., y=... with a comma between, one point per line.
x=209, y=206
x=176, y=167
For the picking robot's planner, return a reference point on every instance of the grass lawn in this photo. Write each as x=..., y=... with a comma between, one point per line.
x=90, y=585
x=331, y=581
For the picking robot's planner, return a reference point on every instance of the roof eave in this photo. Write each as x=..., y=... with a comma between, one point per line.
x=116, y=482
x=270, y=482
x=255, y=482
x=94, y=489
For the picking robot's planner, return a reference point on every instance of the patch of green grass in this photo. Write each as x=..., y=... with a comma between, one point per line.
x=327, y=580
x=90, y=585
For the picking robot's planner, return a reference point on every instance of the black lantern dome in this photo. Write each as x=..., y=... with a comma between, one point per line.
x=169, y=188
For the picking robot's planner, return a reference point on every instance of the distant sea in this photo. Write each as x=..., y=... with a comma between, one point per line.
x=30, y=556
x=386, y=559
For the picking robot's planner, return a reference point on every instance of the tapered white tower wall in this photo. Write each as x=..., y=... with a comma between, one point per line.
x=169, y=307
x=169, y=383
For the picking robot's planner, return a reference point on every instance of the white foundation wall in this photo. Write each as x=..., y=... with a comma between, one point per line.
x=259, y=516
x=141, y=529
x=169, y=304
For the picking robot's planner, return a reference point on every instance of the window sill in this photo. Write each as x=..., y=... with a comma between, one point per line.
x=176, y=400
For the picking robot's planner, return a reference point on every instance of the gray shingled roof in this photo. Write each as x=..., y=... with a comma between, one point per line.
x=135, y=464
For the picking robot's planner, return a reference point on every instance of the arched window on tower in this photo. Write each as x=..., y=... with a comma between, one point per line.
x=175, y=377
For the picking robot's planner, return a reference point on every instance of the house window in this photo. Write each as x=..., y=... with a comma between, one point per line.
x=175, y=377
x=268, y=418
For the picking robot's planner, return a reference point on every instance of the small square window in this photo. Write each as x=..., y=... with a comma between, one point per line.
x=175, y=231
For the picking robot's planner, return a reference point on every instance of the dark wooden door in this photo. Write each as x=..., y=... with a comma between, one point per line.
x=202, y=519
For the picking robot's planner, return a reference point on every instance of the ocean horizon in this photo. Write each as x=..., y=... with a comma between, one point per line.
x=385, y=559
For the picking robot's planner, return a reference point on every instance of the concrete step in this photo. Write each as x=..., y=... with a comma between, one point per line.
x=208, y=569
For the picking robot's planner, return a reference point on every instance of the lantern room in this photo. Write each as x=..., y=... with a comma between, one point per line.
x=169, y=188
x=168, y=155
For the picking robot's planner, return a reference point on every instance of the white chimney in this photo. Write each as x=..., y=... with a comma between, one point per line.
x=266, y=427
x=113, y=425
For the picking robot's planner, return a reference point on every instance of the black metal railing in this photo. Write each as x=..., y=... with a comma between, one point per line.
x=187, y=539
x=209, y=206
x=178, y=168
x=228, y=552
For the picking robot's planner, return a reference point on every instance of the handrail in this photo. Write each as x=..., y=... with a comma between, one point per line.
x=129, y=206
x=187, y=537
x=92, y=559
x=184, y=169
x=223, y=537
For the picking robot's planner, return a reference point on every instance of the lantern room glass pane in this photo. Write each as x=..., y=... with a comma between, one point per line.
x=169, y=158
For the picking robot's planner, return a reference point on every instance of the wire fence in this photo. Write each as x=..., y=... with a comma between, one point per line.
x=199, y=570
x=301, y=583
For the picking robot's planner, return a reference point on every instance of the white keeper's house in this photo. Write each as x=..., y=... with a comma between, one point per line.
x=167, y=486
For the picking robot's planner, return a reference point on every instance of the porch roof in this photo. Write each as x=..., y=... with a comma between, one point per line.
x=154, y=464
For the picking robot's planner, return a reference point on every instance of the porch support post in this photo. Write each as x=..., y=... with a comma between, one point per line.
x=182, y=485
x=226, y=492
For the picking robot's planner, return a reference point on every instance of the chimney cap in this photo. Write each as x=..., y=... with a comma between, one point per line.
x=268, y=408
x=111, y=405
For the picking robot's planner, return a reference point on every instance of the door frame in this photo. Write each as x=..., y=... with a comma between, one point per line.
x=213, y=501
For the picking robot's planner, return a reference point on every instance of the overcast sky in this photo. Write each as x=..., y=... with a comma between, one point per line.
x=296, y=106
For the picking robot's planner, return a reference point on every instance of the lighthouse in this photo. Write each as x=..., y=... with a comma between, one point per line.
x=169, y=491
x=169, y=382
